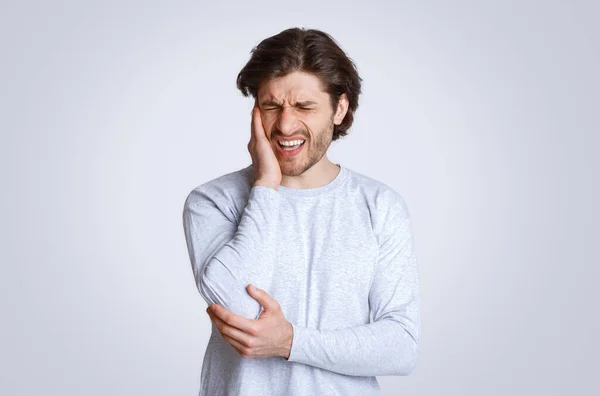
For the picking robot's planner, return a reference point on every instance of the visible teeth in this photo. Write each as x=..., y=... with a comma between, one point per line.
x=291, y=143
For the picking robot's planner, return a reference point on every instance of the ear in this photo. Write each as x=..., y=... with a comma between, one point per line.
x=342, y=108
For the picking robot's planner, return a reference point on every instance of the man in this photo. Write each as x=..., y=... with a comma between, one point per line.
x=329, y=250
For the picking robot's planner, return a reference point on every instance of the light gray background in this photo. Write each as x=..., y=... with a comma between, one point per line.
x=482, y=115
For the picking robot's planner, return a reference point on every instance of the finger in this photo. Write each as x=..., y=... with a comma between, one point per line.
x=229, y=331
x=267, y=302
x=239, y=348
x=258, y=132
x=248, y=326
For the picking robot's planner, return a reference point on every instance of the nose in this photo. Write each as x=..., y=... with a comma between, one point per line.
x=287, y=122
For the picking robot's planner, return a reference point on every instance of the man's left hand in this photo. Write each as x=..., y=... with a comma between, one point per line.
x=269, y=335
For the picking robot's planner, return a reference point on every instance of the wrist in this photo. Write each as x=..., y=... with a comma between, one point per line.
x=274, y=186
x=288, y=339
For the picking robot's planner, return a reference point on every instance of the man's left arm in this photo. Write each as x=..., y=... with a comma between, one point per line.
x=390, y=344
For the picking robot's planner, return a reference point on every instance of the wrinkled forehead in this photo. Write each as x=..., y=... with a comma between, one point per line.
x=291, y=88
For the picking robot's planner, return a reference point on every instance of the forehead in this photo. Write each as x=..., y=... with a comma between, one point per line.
x=295, y=86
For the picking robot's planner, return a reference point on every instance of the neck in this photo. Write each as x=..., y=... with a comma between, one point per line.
x=320, y=174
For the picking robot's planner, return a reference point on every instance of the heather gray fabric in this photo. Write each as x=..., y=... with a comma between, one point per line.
x=340, y=261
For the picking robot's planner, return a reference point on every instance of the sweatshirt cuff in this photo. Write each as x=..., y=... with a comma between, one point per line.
x=297, y=352
x=264, y=192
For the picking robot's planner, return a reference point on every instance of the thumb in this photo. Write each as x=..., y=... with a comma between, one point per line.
x=262, y=297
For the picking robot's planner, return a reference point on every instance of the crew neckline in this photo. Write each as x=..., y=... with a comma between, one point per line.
x=312, y=192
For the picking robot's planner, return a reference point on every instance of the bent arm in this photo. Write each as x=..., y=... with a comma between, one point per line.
x=390, y=344
x=226, y=257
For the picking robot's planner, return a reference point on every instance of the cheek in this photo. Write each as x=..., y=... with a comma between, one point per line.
x=312, y=123
x=268, y=125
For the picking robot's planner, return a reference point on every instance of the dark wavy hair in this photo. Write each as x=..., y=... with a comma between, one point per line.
x=307, y=50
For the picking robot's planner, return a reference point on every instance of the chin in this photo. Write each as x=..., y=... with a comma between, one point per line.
x=292, y=169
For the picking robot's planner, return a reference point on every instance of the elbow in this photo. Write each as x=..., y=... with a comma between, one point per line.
x=408, y=365
x=408, y=355
x=206, y=288
x=218, y=286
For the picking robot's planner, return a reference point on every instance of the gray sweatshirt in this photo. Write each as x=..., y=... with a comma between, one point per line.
x=340, y=261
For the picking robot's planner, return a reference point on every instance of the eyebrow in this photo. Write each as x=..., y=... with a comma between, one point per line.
x=302, y=103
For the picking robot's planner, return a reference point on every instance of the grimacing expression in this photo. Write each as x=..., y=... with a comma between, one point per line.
x=296, y=106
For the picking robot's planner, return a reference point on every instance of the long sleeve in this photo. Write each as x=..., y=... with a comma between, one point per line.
x=225, y=256
x=389, y=345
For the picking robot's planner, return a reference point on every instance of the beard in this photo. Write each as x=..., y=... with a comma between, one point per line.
x=311, y=153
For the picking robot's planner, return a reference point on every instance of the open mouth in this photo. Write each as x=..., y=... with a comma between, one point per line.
x=291, y=145
x=289, y=149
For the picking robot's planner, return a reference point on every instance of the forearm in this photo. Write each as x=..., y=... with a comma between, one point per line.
x=379, y=348
x=241, y=254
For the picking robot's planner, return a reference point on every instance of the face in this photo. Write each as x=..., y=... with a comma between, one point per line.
x=295, y=107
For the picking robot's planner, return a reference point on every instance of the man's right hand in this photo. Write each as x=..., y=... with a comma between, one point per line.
x=267, y=171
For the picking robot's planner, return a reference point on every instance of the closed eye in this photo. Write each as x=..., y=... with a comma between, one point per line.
x=304, y=108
